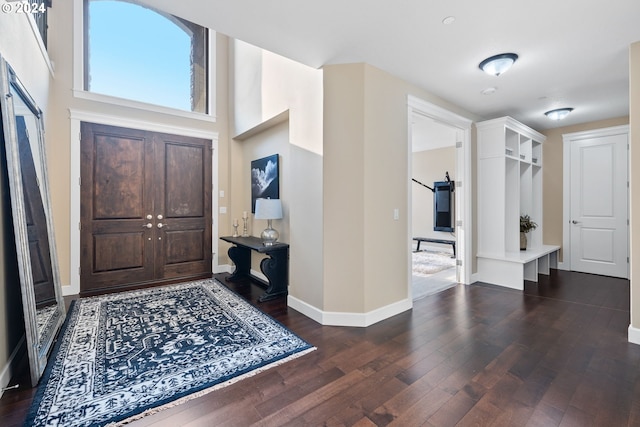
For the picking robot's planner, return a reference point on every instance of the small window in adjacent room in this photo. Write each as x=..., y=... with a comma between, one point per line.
x=137, y=53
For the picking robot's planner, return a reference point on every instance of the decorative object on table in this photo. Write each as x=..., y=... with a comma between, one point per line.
x=235, y=228
x=269, y=209
x=526, y=225
x=245, y=220
x=265, y=182
x=125, y=355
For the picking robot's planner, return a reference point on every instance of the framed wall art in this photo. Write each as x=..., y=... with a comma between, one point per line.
x=265, y=179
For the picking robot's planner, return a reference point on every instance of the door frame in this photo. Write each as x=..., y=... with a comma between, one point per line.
x=464, y=182
x=567, y=139
x=77, y=116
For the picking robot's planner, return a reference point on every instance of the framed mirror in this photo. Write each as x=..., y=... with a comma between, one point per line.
x=23, y=134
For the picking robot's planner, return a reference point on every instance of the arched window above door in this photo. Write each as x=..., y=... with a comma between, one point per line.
x=137, y=53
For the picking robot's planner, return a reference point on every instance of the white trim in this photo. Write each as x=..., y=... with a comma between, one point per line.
x=155, y=126
x=223, y=268
x=78, y=116
x=329, y=318
x=512, y=124
x=634, y=335
x=475, y=277
x=38, y=37
x=143, y=106
x=567, y=139
x=258, y=274
x=10, y=367
x=215, y=230
x=464, y=232
x=78, y=76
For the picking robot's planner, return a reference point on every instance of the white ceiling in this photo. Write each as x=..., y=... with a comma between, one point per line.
x=572, y=52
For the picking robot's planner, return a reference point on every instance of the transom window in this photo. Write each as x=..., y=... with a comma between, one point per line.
x=137, y=53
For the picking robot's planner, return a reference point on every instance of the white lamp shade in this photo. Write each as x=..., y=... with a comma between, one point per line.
x=268, y=209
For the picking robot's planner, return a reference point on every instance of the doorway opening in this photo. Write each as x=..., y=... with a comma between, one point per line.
x=439, y=158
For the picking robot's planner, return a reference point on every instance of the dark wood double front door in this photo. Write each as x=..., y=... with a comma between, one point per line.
x=145, y=208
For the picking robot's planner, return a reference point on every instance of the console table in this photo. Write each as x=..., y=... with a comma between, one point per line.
x=275, y=268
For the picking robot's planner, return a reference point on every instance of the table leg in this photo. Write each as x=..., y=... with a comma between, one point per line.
x=276, y=269
x=241, y=257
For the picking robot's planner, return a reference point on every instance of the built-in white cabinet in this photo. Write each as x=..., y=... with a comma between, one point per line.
x=510, y=185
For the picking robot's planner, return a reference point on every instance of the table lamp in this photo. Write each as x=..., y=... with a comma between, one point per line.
x=269, y=209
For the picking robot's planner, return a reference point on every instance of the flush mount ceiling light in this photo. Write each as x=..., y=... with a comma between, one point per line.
x=449, y=20
x=498, y=64
x=558, y=113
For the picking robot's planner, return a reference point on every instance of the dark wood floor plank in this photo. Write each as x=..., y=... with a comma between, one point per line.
x=574, y=417
x=422, y=410
x=545, y=416
x=311, y=400
x=553, y=354
x=350, y=397
x=364, y=406
x=498, y=367
x=453, y=410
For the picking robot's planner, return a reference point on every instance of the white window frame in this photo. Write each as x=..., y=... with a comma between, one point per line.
x=78, y=76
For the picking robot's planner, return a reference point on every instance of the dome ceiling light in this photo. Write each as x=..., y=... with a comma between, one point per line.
x=558, y=113
x=498, y=64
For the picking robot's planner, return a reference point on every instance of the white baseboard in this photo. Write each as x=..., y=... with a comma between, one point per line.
x=563, y=266
x=228, y=268
x=475, y=277
x=634, y=335
x=329, y=318
x=259, y=275
x=308, y=310
x=223, y=268
x=11, y=366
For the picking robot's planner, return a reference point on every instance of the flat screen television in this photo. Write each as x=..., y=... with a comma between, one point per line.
x=443, y=206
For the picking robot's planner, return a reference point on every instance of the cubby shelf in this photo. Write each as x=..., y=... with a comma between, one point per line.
x=510, y=185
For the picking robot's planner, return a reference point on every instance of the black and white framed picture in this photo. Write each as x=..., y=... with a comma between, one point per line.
x=265, y=181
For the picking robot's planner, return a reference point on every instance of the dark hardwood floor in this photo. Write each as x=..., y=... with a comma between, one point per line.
x=554, y=355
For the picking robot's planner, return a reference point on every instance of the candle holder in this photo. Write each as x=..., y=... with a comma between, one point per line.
x=245, y=233
x=235, y=229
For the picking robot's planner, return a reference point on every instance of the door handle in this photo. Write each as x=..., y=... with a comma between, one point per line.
x=575, y=222
x=148, y=225
x=160, y=216
x=160, y=225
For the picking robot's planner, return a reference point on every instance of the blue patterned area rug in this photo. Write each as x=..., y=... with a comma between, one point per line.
x=122, y=356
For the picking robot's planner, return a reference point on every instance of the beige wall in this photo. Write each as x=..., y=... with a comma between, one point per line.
x=343, y=186
x=366, y=159
x=272, y=141
x=428, y=167
x=19, y=47
x=264, y=86
x=634, y=177
x=552, y=176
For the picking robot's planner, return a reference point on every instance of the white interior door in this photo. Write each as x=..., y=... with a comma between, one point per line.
x=598, y=220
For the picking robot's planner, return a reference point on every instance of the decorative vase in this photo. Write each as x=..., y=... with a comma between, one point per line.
x=523, y=241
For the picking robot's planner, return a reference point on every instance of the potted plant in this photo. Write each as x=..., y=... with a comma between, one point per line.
x=526, y=225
